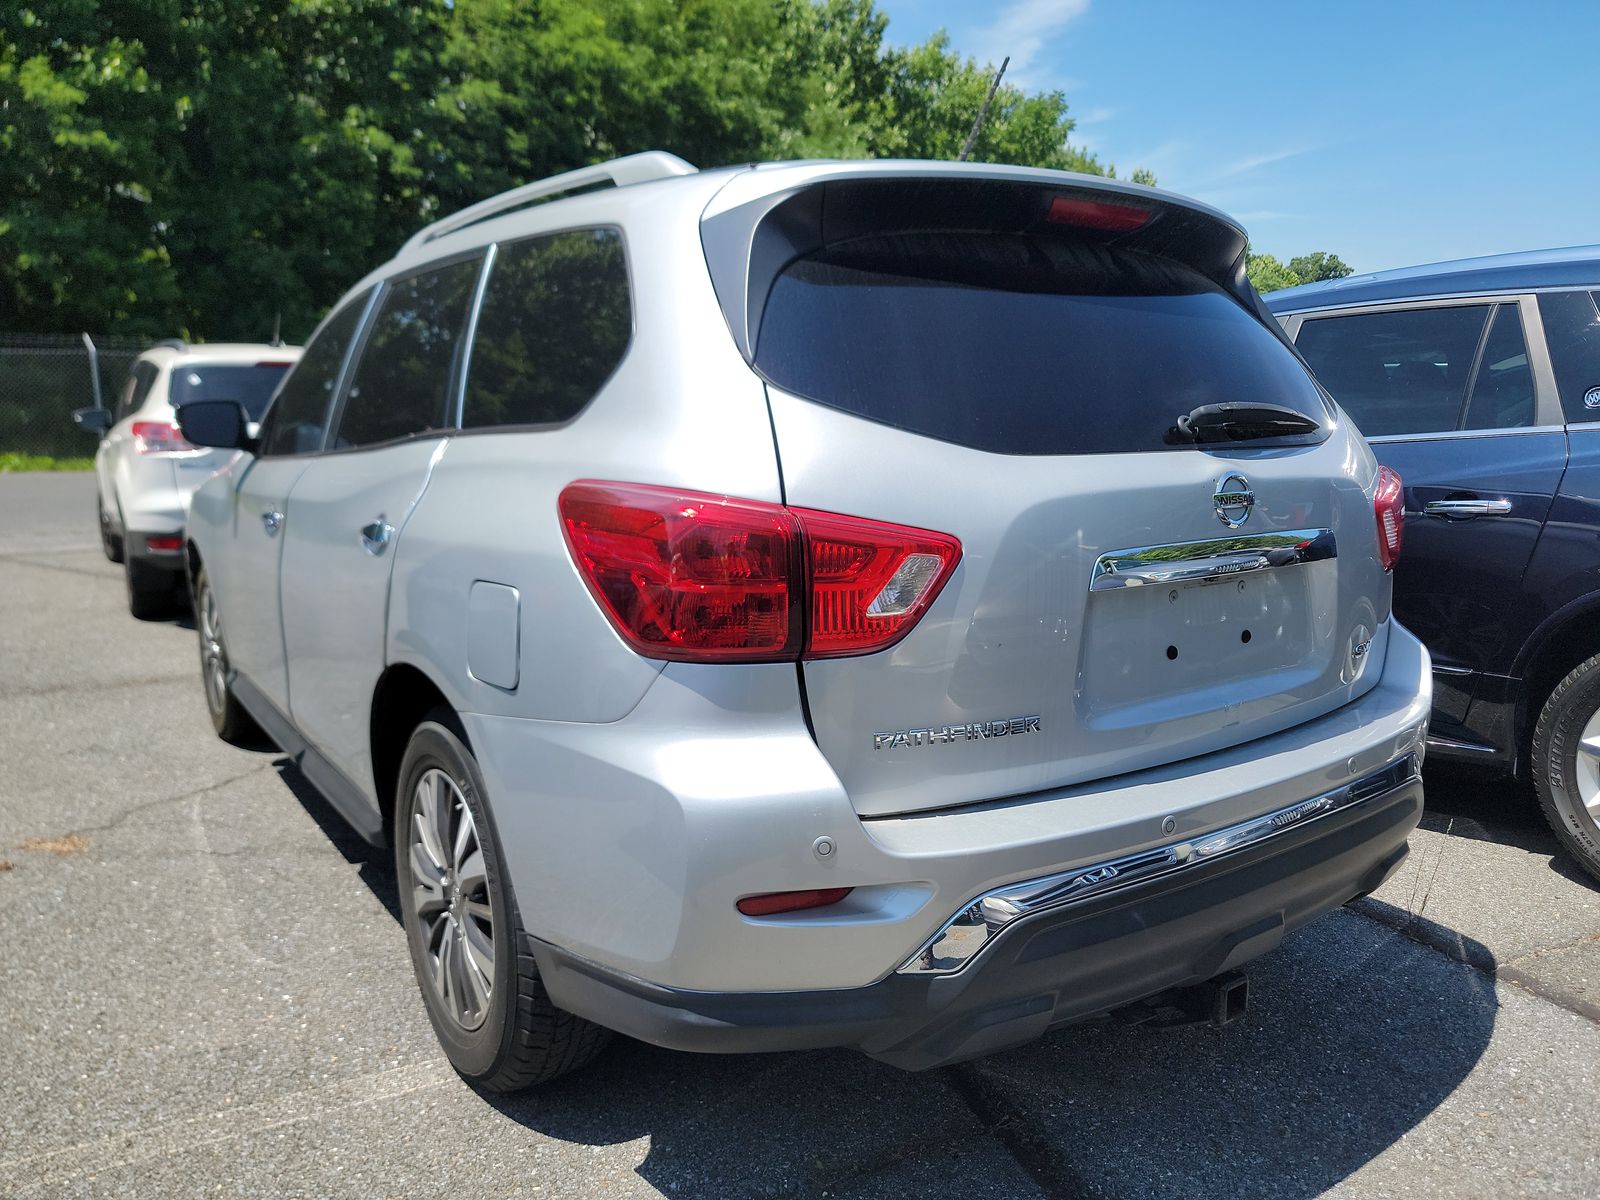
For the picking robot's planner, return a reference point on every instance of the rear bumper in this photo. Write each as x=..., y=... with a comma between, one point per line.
x=1064, y=964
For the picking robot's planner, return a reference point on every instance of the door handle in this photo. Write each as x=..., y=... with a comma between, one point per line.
x=1467, y=508
x=375, y=537
x=272, y=521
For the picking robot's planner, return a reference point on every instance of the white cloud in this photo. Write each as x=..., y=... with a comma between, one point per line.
x=1023, y=27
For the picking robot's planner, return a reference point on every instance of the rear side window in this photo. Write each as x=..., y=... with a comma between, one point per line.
x=402, y=384
x=1019, y=345
x=1572, y=329
x=1502, y=386
x=1398, y=372
x=251, y=385
x=555, y=322
x=140, y=380
x=298, y=419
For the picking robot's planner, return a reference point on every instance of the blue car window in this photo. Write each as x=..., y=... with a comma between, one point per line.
x=1502, y=389
x=1572, y=329
x=1399, y=372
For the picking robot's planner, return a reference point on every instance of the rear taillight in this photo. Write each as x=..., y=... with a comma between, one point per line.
x=694, y=577
x=158, y=437
x=1388, y=504
x=164, y=543
x=781, y=902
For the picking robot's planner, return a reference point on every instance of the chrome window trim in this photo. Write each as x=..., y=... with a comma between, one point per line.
x=1213, y=558
x=981, y=922
x=1455, y=434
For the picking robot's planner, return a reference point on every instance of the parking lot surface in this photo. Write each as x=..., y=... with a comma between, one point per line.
x=205, y=990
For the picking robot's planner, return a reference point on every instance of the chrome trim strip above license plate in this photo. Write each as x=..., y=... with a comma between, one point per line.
x=1212, y=559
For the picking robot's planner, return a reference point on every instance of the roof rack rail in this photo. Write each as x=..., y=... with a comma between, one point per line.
x=619, y=172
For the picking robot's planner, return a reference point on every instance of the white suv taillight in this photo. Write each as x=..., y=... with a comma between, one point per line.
x=158, y=437
x=695, y=577
x=1389, y=506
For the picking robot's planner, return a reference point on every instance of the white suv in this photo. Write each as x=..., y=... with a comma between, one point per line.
x=898, y=605
x=144, y=469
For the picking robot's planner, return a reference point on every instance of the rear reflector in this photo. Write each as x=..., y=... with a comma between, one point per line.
x=158, y=437
x=694, y=577
x=1388, y=505
x=164, y=543
x=782, y=902
x=1097, y=214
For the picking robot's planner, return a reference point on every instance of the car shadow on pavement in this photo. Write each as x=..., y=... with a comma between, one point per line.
x=374, y=864
x=1356, y=1033
x=1493, y=808
x=1358, y=1029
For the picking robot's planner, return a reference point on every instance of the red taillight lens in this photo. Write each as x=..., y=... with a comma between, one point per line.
x=870, y=581
x=696, y=577
x=164, y=543
x=158, y=437
x=1388, y=504
x=685, y=575
x=1097, y=214
x=782, y=902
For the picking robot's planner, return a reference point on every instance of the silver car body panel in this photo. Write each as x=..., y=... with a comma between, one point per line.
x=637, y=800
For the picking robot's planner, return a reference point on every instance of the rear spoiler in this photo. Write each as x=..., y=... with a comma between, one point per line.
x=750, y=238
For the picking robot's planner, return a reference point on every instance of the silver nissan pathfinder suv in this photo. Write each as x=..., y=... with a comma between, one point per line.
x=899, y=605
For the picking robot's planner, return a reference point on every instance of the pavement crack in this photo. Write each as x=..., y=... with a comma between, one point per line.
x=1471, y=954
x=45, y=566
x=1021, y=1135
x=57, y=688
x=128, y=814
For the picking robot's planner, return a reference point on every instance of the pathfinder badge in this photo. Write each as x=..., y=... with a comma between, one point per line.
x=977, y=731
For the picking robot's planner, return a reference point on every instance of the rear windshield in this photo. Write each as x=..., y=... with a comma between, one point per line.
x=1019, y=345
x=251, y=384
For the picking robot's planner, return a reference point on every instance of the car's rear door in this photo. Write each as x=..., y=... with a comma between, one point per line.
x=244, y=561
x=1456, y=396
x=350, y=505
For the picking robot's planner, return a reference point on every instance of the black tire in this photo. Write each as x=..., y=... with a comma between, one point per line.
x=523, y=1039
x=1556, y=774
x=110, y=543
x=152, y=591
x=228, y=717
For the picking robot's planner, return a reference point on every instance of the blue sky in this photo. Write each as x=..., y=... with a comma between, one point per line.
x=1389, y=133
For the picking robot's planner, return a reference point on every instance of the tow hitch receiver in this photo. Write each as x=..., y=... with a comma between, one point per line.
x=1216, y=1002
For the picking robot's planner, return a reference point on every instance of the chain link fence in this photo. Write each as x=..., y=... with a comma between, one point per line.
x=43, y=377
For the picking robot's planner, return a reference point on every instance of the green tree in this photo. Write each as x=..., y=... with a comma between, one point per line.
x=1317, y=266
x=1268, y=274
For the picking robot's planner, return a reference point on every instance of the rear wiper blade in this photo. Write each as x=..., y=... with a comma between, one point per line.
x=1238, y=423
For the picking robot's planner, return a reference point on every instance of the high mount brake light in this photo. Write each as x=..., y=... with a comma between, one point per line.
x=1389, y=507
x=1097, y=214
x=695, y=577
x=158, y=437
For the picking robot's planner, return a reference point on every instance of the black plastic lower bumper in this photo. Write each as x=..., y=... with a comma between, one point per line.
x=1052, y=969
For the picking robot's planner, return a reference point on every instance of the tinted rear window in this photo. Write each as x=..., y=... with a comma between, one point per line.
x=251, y=385
x=1019, y=345
x=1572, y=329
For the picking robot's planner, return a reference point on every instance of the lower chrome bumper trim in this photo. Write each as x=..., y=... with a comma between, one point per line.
x=962, y=938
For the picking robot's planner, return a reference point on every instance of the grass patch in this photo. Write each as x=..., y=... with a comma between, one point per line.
x=11, y=460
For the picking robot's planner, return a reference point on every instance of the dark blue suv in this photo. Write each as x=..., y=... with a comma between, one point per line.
x=1479, y=382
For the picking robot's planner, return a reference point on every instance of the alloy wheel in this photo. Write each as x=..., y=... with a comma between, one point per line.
x=1588, y=767
x=213, y=659
x=450, y=895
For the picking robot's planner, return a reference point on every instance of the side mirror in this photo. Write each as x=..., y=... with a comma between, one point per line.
x=92, y=420
x=223, y=424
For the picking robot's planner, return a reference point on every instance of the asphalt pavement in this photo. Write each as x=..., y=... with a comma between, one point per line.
x=205, y=991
